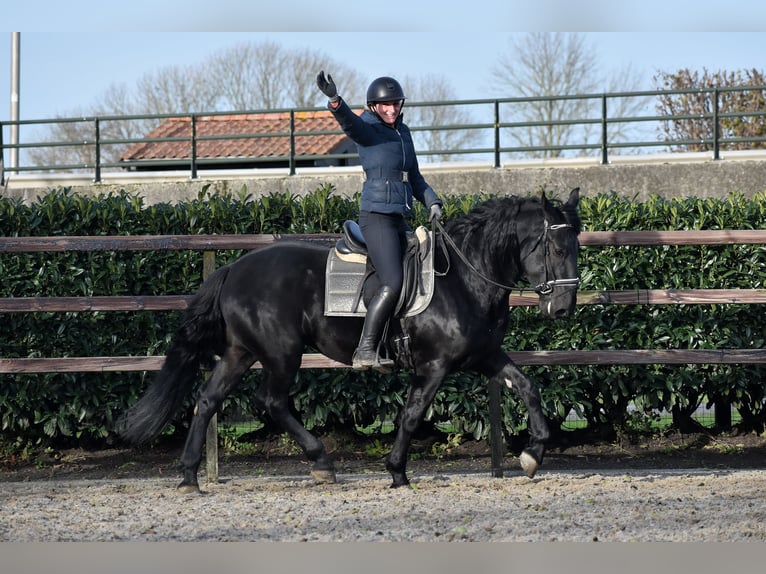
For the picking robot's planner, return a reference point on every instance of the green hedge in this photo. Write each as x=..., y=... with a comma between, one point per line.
x=79, y=408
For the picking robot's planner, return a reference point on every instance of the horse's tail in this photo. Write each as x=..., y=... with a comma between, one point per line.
x=197, y=340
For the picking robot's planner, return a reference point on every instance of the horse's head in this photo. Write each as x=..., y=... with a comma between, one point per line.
x=550, y=265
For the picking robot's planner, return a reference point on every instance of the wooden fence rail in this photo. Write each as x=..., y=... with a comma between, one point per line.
x=251, y=241
x=317, y=361
x=180, y=302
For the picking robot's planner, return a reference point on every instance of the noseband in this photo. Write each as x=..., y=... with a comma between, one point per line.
x=546, y=287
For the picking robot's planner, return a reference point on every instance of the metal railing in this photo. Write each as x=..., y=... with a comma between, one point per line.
x=491, y=123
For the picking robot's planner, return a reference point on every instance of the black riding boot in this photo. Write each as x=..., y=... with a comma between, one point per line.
x=378, y=312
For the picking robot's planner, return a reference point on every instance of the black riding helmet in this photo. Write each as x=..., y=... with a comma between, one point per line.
x=384, y=89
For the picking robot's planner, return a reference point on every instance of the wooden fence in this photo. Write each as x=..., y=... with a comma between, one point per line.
x=210, y=243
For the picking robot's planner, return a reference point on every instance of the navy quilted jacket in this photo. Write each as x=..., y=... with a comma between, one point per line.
x=386, y=153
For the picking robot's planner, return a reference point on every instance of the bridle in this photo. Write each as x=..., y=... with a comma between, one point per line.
x=544, y=288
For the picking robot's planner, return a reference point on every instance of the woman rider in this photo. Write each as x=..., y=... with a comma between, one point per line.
x=391, y=179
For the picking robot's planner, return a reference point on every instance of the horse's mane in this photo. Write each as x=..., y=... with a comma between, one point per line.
x=499, y=210
x=489, y=229
x=490, y=218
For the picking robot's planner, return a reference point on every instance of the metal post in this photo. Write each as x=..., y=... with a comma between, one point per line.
x=292, y=142
x=97, y=178
x=211, y=436
x=15, y=97
x=193, y=146
x=497, y=133
x=716, y=127
x=604, y=136
x=2, y=155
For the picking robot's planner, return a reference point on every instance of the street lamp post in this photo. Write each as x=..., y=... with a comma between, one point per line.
x=15, y=84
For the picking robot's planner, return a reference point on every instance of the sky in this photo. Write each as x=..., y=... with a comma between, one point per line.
x=74, y=51
x=63, y=73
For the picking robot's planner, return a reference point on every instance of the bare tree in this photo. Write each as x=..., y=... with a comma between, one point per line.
x=245, y=77
x=689, y=102
x=170, y=90
x=442, y=144
x=249, y=76
x=267, y=76
x=72, y=158
x=552, y=72
x=175, y=89
x=302, y=71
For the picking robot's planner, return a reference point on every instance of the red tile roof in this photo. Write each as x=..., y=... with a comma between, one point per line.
x=237, y=125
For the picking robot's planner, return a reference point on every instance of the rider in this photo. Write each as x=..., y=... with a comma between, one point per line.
x=391, y=179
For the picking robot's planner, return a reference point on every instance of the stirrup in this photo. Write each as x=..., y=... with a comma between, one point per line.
x=364, y=358
x=383, y=365
x=371, y=359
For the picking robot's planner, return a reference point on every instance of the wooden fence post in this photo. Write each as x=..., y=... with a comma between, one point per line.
x=495, y=429
x=211, y=436
x=723, y=415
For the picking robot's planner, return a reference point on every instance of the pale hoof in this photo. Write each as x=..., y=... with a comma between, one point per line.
x=324, y=476
x=528, y=464
x=188, y=488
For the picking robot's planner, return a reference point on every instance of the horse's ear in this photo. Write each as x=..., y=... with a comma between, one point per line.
x=574, y=197
x=548, y=209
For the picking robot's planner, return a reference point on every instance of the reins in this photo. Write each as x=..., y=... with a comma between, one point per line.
x=543, y=288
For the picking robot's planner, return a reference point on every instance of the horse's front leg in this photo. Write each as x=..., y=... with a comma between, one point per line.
x=502, y=370
x=225, y=377
x=421, y=393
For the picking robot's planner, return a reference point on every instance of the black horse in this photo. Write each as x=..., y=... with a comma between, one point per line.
x=268, y=306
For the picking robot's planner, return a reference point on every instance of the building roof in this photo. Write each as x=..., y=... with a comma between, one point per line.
x=236, y=125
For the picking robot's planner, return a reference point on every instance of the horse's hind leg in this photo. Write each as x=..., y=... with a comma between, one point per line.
x=226, y=375
x=273, y=397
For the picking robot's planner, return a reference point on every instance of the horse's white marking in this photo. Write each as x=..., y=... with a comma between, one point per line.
x=549, y=307
x=528, y=464
x=508, y=383
x=196, y=410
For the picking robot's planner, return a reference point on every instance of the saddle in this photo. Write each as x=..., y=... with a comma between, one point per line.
x=348, y=271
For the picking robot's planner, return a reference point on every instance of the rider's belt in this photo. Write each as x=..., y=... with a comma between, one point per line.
x=380, y=174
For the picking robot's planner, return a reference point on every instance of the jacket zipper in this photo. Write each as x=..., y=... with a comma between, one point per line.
x=404, y=162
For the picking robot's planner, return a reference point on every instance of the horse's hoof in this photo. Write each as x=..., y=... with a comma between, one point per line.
x=528, y=464
x=400, y=480
x=324, y=476
x=186, y=488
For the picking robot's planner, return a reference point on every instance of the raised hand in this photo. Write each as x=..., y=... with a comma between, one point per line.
x=327, y=86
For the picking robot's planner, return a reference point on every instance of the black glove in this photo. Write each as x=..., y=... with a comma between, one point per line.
x=327, y=85
x=435, y=212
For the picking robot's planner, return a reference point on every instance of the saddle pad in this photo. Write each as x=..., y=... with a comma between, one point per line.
x=344, y=277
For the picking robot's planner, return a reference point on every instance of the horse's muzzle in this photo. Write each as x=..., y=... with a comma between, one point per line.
x=558, y=303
